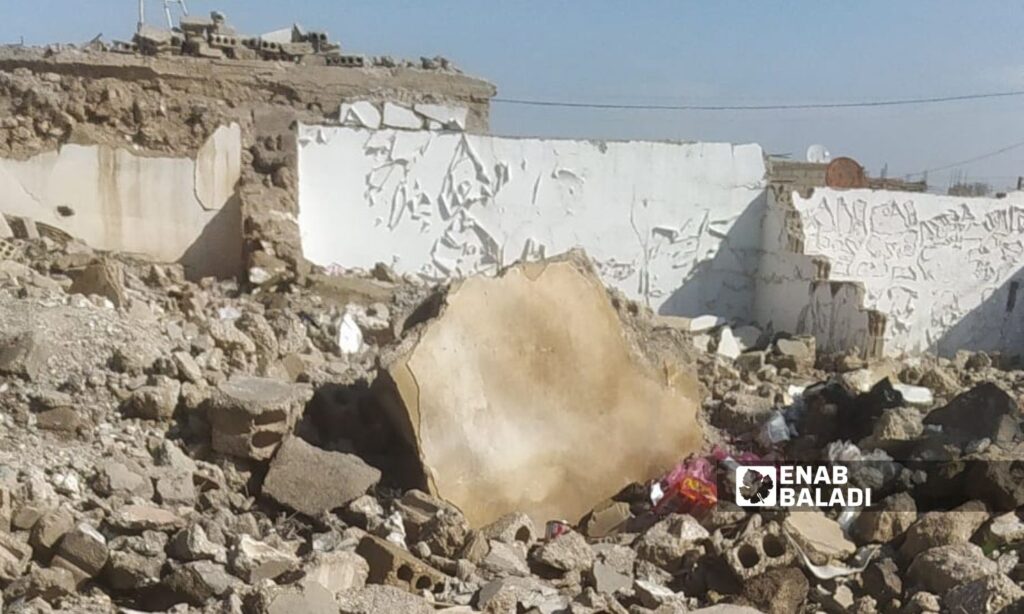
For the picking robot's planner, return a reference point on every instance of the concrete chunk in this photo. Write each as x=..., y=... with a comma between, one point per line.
x=250, y=416
x=314, y=481
x=83, y=552
x=546, y=416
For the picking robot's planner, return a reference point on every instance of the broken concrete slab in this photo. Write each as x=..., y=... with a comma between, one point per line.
x=359, y=114
x=820, y=537
x=314, y=481
x=562, y=388
x=448, y=116
x=397, y=116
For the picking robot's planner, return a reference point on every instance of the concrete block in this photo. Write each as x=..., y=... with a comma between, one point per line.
x=758, y=551
x=250, y=416
x=555, y=392
x=393, y=566
x=314, y=481
x=397, y=116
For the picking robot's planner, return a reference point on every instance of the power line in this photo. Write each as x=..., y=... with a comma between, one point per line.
x=977, y=158
x=758, y=107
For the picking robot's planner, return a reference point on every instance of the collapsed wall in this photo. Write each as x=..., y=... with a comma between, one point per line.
x=130, y=129
x=674, y=225
x=945, y=270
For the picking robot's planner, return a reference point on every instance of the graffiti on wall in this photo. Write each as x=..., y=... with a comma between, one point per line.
x=448, y=205
x=926, y=261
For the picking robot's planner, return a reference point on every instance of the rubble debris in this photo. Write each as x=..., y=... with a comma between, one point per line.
x=238, y=491
x=944, y=567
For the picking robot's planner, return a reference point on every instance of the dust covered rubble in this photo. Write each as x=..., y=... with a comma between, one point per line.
x=204, y=447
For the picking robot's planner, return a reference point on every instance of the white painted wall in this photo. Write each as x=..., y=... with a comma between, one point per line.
x=655, y=217
x=942, y=268
x=170, y=209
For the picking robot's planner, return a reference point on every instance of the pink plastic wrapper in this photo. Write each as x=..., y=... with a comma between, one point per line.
x=691, y=487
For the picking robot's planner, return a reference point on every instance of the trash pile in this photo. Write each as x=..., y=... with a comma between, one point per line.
x=351, y=443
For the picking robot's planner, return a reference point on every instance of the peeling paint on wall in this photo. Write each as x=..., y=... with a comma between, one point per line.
x=653, y=216
x=942, y=268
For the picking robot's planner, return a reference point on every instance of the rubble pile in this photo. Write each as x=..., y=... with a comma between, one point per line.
x=178, y=446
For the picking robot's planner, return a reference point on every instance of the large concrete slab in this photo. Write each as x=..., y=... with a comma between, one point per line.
x=524, y=394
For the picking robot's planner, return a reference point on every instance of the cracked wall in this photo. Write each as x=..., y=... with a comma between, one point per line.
x=945, y=270
x=171, y=209
x=670, y=224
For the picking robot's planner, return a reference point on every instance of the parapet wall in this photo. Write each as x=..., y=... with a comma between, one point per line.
x=671, y=224
x=945, y=270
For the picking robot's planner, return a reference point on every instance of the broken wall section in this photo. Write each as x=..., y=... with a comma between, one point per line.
x=172, y=209
x=674, y=225
x=797, y=293
x=945, y=270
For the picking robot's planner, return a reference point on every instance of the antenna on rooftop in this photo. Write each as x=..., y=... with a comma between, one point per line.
x=167, y=11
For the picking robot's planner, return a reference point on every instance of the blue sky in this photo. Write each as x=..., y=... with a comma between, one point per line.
x=665, y=52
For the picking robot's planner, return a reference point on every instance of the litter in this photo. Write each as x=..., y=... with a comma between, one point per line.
x=861, y=559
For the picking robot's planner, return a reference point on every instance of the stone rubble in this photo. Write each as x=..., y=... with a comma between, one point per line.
x=176, y=446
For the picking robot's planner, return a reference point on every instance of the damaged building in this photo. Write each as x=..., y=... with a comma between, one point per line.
x=288, y=332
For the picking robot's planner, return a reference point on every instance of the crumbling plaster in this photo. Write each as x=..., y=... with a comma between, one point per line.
x=945, y=270
x=670, y=224
x=169, y=209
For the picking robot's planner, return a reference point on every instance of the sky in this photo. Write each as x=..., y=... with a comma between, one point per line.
x=678, y=52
